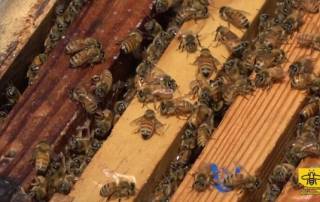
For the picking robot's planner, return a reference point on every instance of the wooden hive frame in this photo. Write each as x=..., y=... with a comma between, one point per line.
x=155, y=154
x=256, y=131
x=45, y=112
x=34, y=108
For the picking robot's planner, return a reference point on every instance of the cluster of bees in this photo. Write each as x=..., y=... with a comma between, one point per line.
x=12, y=95
x=65, y=14
x=216, y=90
x=57, y=172
x=306, y=143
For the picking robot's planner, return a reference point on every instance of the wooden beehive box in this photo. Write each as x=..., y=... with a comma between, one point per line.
x=253, y=133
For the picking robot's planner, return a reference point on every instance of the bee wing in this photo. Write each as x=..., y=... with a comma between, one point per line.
x=111, y=175
x=137, y=121
x=160, y=129
x=216, y=61
x=243, y=12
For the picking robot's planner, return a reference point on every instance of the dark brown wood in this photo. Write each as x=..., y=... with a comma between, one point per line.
x=44, y=109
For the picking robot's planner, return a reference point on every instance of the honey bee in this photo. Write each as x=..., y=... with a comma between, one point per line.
x=241, y=181
x=148, y=124
x=59, y=10
x=267, y=60
x=189, y=42
x=204, y=133
x=80, y=44
x=77, y=165
x=80, y=142
x=34, y=67
x=63, y=184
x=132, y=42
x=162, y=6
x=164, y=189
x=86, y=100
x=309, y=41
x=159, y=78
x=39, y=188
x=234, y=17
x=270, y=39
x=3, y=116
x=284, y=7
x=203, y=179
x=91, y=55
x=144, y=68
x=281, y=173
x=182, y=158
x=230, y=40
x=189, y=143
x=302, y=81
x=310, y=110
x=302, y=65
x=119, y=108
x=153, y=28
x=264, y=22
x=310, y=6
x=103, y=121
x=73, y=9
x=200, y=114
x=108, y=190
x=278, y=19
x=292, y=22
x=247, y=61
x=94, y=147
x=271, y=193
x=126, y=189
x=310, y=127
x=102, y=84
x=152, y=94
x=12, y=94
x=266, y=77
x=41, y=157
x=60, y=24
x=61, y=181
x=178, y=107
x=207, y=64
x=118, y=188
x=195, y=87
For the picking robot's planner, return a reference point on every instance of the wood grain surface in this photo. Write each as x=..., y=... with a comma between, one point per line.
x=45, y=111
x=128, y=153
x=255, y=131
x=22, y=22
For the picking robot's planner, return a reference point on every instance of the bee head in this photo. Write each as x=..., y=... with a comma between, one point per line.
x=264, y=17
x=293, y=69
x=222, y=10
x=260, y=78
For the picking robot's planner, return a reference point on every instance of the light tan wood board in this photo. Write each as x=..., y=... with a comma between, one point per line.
x=128, y=153
x=254, y=131
x=19, y=20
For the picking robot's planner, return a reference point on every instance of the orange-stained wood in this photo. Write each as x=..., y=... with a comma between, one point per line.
x=254, y=132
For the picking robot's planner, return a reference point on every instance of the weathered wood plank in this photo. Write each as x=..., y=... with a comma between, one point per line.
x=254, y=132
x=22, y=22
x=45, y=109
x=129, y=154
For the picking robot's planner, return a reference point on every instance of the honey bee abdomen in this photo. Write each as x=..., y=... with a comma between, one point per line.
x=147, y=129
x=42, y=162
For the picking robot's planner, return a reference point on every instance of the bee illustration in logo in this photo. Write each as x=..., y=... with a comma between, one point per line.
x=311, y=178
